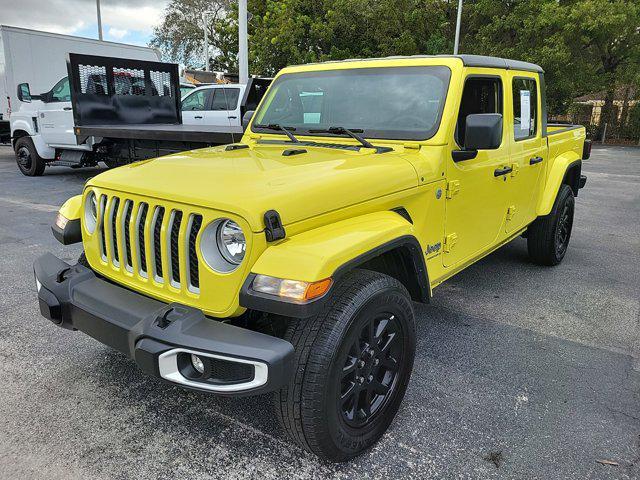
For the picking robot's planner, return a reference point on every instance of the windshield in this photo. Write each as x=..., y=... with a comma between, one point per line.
x=403, y=103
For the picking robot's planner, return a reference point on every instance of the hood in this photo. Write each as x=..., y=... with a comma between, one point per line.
x=250, y=181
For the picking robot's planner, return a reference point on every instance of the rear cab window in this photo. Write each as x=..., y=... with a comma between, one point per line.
x=225, y=99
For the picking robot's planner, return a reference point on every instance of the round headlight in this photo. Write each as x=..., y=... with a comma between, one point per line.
x=231, y=241
x=223, y=245
x=90, y=212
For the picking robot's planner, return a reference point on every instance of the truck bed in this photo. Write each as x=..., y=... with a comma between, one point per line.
x=165, y=132
x=562, y=138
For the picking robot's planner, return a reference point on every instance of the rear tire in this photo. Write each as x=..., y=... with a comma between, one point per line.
x=548, y=237
x=353, y=364
x=29, y=162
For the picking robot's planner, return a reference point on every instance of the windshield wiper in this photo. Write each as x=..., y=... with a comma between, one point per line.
x=341, y=131
x=280, y=128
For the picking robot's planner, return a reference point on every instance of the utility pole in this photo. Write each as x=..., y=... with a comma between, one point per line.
x=243, y=44
x=206, y=41
x=456, y=43
x=99, y=19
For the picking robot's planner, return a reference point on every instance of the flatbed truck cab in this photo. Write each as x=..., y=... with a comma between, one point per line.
x=289, y=262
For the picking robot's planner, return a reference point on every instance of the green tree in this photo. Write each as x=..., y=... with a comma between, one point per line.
x=583, y=45
x=180, y=36
x=607, y=36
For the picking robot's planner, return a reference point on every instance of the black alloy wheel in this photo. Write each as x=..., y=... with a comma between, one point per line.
x=563, y=230
x=370, y=371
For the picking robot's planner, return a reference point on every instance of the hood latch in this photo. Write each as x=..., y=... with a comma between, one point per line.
x=273, y=228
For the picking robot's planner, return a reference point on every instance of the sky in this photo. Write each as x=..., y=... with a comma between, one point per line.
x=126, y=21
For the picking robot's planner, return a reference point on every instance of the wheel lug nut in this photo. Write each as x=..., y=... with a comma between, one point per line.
x=361, y=363
x=360, y=379
x=371, y=353
x=376, y=362
x=370, y=378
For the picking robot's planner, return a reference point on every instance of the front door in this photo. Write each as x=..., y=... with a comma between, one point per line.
x=56, y=116
x=528, y=150
x=477, y=195
x=194, y=106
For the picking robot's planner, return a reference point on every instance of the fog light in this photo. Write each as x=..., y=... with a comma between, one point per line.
x=197, y=363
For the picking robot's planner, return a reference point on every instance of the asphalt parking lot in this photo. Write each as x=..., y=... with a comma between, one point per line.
x=521, y=371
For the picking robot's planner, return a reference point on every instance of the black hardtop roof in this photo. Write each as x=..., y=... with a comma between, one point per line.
x=467, y=60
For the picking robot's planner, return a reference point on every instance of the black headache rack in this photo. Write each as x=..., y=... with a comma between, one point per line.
x=119, y=91
x=134, y=108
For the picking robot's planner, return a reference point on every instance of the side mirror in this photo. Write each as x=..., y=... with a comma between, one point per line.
x=246, y=118
x=24, y=92
x=483, y=131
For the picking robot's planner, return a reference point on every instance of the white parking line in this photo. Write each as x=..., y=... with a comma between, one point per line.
x=41, y=207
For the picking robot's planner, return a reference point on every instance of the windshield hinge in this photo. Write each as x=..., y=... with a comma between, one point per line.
x=273, y=228
x=453, y=187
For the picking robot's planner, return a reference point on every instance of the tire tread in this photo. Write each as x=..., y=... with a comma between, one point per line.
x=541, y=233
x=299, y=404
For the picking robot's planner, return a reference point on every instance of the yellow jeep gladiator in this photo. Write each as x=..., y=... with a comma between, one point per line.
x=289, y=263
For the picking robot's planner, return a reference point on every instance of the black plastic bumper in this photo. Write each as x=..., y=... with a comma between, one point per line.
x=149, y=331
x=69, y=234
x=583, y=181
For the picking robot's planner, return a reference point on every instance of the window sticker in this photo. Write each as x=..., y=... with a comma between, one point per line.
x=525, y=110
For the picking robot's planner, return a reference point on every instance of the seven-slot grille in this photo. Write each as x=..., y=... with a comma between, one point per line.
x=132, y=230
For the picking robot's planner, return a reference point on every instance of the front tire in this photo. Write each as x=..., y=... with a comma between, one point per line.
x=353, y=364
x=548, y=237
x=29, y=162
x=112, y=163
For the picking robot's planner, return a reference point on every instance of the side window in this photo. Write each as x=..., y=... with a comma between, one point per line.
x=525, y=108
x=196, y=101
x=480, y=95
x=225, y=98
x=61, y=92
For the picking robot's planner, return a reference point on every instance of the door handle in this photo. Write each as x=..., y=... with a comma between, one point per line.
x=233, y=116
x=502, y=171
x=67, y=108
x=198, y=116
x=534, y=160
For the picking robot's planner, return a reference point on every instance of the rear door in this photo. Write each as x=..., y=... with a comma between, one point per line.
x=56, y=116
x=194, y=106
x=528, y=148
x=225, y=107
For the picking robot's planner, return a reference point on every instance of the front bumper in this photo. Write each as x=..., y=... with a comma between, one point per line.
x=161, y=337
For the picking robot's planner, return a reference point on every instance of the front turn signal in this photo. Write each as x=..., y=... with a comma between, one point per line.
x=61, y=221
x=295, y=290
